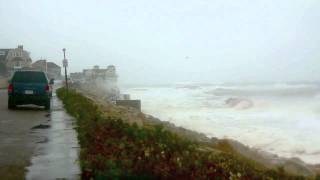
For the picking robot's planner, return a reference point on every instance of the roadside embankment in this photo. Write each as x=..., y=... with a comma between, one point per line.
x=122, y=143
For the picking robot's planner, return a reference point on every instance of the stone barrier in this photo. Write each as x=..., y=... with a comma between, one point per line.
x=136, y=104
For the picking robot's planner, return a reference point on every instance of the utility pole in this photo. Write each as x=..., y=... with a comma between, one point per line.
x=65, y=65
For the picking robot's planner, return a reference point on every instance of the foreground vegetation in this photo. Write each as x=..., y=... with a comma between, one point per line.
x=9, y=172
x=114, y=149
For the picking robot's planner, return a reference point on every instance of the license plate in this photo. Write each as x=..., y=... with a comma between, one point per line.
x=28, y=92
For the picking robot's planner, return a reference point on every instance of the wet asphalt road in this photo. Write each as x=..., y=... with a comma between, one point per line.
x=44, y=142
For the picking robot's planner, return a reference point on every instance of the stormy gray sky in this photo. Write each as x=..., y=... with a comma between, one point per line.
x=168, y=41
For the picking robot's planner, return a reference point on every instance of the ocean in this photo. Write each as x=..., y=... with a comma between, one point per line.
x=282, y=119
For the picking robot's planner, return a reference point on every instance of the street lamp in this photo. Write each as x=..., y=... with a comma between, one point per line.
x=65, y=65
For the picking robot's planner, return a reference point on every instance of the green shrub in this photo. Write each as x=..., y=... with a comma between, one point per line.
x=114, y=149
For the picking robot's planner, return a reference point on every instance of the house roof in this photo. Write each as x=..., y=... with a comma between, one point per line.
x=40, y=62
x=52, y=65
x=3, y=54
x=96, y=70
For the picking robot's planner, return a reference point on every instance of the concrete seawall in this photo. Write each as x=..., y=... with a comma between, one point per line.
x=130, y=103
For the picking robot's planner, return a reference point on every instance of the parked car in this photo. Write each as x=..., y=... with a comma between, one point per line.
x=29, y=87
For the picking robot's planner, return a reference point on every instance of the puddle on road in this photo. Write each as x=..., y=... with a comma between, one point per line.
x=41, y=126
x=56, y=156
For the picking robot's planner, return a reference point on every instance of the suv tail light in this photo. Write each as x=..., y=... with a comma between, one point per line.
x=47, y=88
x=10, y=88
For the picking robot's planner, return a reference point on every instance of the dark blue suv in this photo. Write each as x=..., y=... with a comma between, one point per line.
x=29, y=87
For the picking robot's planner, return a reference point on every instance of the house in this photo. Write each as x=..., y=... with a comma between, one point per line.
x=77, y=76
x=40, y=65
x=109, y=74
x=3, y=56
x=12, y=59
x=94, y=74
x=105, y=79
x=53, y=70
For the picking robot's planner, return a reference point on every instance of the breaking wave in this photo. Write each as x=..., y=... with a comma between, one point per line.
x=279, y=118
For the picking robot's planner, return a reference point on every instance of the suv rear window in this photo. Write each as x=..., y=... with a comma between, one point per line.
x=29, y=76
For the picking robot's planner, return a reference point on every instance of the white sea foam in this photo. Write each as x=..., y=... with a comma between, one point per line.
x=283, y=119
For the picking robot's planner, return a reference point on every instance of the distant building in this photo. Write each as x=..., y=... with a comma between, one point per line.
x=13, y=59
x=77, y=76
x=53, y=70
x=109, y=74
x=3, y=56
x=105, y=79
x=40, y=65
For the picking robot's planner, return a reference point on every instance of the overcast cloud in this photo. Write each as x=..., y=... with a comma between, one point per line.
x=168, y=41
